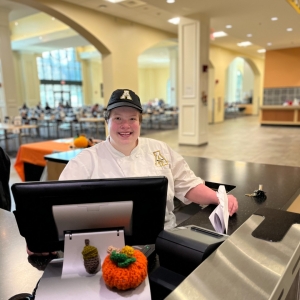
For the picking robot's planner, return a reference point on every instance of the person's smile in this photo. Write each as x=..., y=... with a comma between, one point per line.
x=124, y=128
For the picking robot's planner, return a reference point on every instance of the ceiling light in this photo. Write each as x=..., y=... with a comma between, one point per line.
x=218, y=34
x=261, y=50
x=269, y=44
x=170, y=1
x=274, y=19
x=174, y=20
x=228, y=26
x=249, y=35
x=289, y=29
x=244, y=44
x=16, y=23
x=114, y=1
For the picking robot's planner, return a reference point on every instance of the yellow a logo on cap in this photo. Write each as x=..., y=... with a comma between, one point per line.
x=126, y=95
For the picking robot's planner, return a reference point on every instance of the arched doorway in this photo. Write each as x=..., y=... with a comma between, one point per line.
x=242, y=88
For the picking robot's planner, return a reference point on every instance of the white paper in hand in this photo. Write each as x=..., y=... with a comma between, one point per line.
x=219, y=217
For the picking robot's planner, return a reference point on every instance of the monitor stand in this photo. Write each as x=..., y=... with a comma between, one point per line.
x=66, y=278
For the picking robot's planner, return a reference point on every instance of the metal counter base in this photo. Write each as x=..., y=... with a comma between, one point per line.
x=245, y=267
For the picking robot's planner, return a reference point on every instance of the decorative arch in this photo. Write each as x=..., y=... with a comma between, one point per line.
x=51, y=8
x=256, y=84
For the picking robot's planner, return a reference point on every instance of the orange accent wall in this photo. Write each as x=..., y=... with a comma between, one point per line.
x=282, y=68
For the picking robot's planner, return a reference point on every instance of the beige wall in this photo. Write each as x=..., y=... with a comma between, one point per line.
x=153, y=83
x=221, y=59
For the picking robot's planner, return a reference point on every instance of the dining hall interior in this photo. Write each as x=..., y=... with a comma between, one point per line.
x=218, y=83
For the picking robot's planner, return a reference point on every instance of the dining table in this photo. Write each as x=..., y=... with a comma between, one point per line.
x=31, y=156
x=14, y=129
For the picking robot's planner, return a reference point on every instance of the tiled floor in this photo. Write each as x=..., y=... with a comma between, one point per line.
x=238, y=139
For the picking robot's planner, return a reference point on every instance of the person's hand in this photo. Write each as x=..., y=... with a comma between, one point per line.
x=39, y=254
x=232, y=205
x=40, y=260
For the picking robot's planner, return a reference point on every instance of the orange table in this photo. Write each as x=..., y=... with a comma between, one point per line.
x=34, y=153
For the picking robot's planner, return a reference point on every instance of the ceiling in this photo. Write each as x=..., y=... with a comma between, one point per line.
x=246, y=17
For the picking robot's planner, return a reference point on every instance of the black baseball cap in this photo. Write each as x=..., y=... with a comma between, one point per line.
x=124, y=97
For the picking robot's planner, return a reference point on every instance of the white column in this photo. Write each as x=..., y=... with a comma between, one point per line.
x=8, y=95
x=193, y=79
x=173, y=52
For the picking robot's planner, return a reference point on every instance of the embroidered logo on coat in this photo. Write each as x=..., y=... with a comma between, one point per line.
x=126, y=95
x=160, y=161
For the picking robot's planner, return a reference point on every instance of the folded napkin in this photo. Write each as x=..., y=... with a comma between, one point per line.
x=219, y=217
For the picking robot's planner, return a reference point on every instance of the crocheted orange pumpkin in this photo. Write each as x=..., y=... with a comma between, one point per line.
x=127, y=273
x=81, y=142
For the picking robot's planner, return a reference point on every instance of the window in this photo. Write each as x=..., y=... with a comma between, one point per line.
x=60, y=78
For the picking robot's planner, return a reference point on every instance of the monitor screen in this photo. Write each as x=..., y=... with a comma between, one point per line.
x=37, y=202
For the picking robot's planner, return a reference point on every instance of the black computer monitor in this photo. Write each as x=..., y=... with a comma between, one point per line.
x=35, y=202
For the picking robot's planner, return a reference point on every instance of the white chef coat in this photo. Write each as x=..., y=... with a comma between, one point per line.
x=150, y=158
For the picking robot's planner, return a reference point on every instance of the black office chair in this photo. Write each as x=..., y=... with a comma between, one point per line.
x=5, y=199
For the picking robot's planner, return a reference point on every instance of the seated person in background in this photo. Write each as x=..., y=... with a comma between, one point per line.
x=24, y=111
x=125, y=154
x=68, y=105
x=161, y=103
x=38, y=109
x=60, y=107
x=47, y=106
x=95, y=110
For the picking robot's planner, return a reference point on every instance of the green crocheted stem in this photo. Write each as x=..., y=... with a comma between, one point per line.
x=121, y=259
x=126, y=263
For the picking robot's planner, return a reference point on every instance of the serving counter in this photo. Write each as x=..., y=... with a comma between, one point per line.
x=280, y=115
x=281, y=184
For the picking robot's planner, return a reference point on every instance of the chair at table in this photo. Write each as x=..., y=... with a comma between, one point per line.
x=5, y=199
x=10, y=134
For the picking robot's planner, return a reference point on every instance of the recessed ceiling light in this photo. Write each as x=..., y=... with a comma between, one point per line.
x=289, y=29
x=170, y=1
x=16, y=23
x=244, y=44
x=174, y=20
x=52, y=18
x=261, y=50
x=218, y=34
x=114, y=1
x=269, y=44
x=249, y=35
x=274, y=19
x=40, y=37
x=228, y=26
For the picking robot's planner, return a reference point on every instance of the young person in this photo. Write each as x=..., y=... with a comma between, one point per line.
x=125, y=154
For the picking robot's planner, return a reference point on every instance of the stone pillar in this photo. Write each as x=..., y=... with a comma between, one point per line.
x=120, y=71
x=8, y=94
x=193, y=79
x=29, y=80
